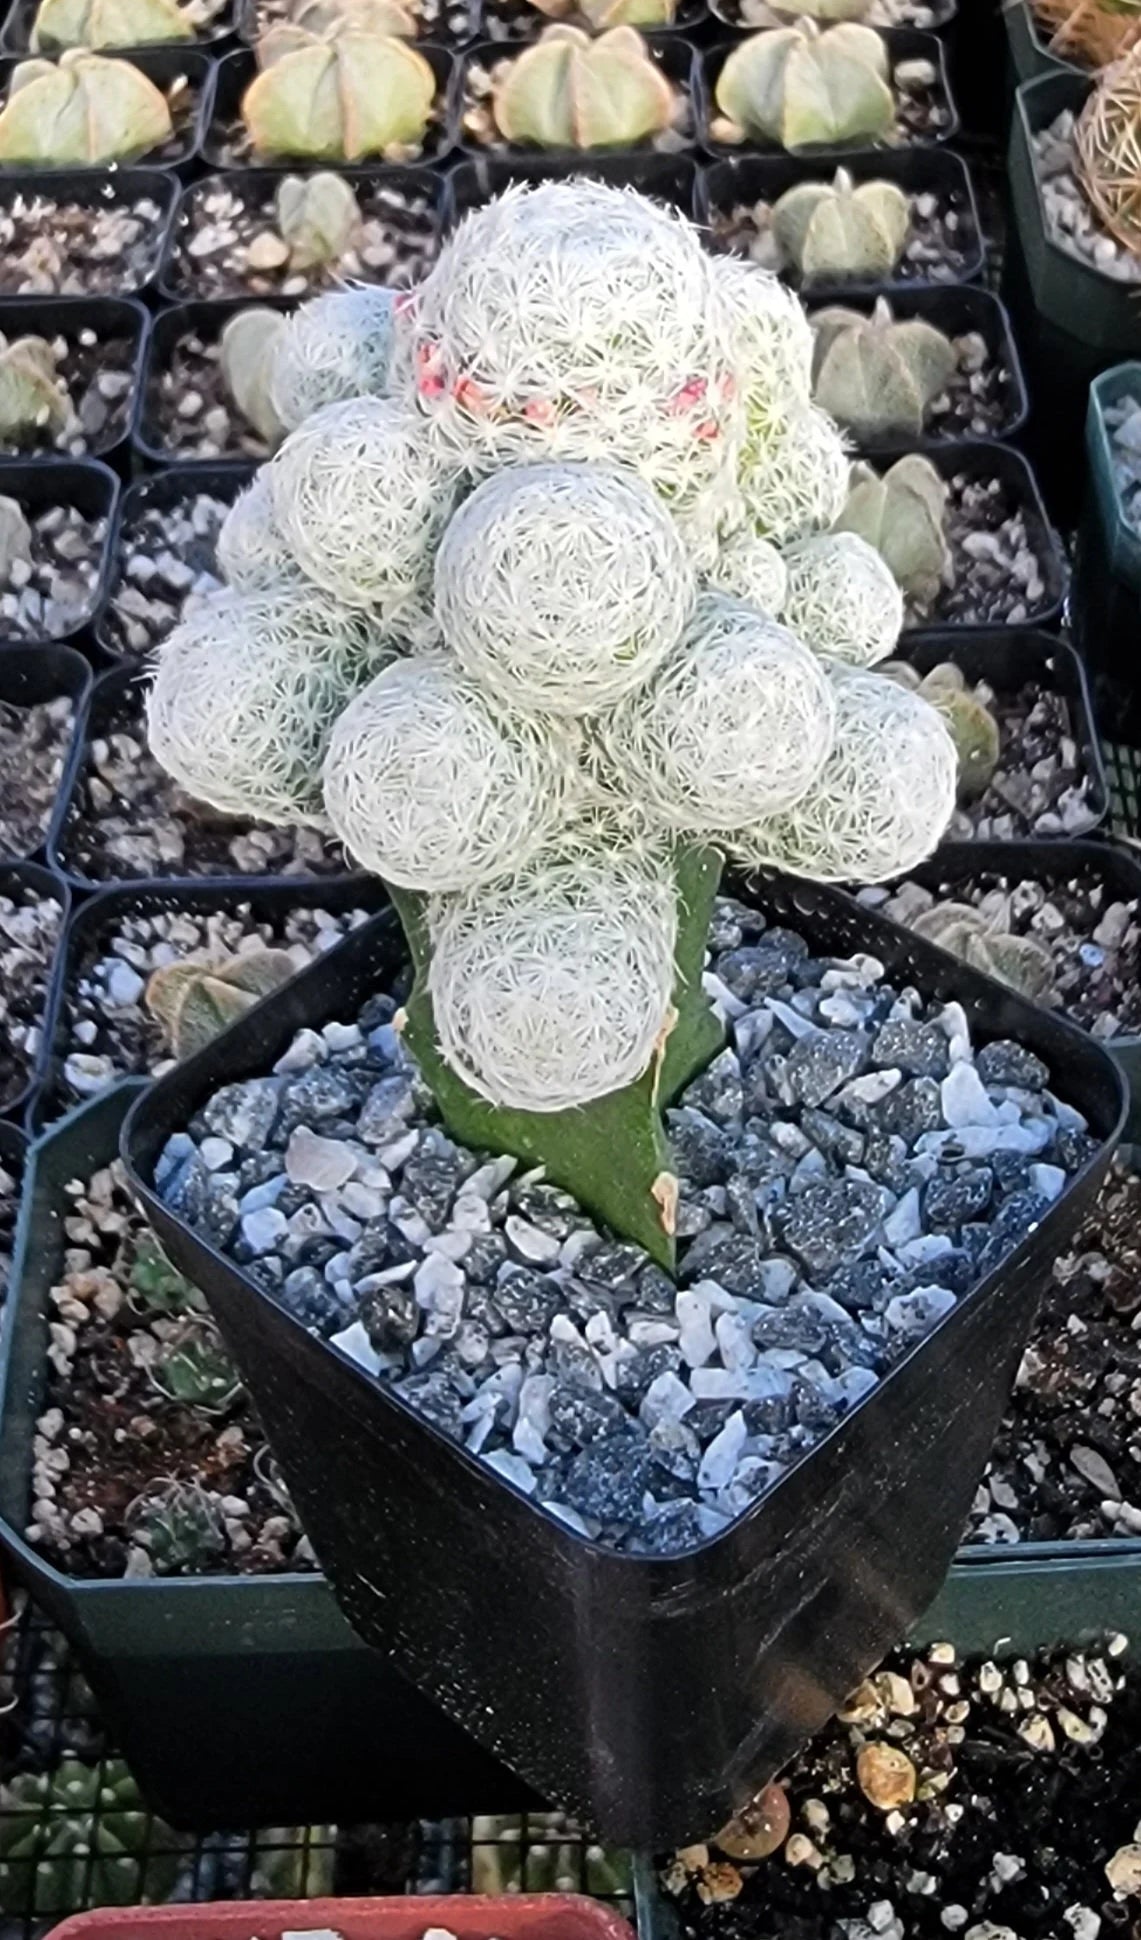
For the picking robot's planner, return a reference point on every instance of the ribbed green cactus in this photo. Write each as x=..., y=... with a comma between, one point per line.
x=155, y=1286
x=193, y=1001
x=180, y=1526
x=82, y=111
x=1020, y=961
x=15, y=536
x=974, y=729
x=876, y=377
x=569, y=91
x=195, y=1369
x=803, y=88
x=344, y=99
x=903, y=516
x=318, y=216
x=107, y=23
x=247, y=345
x=842, y=231
x=81, y=1834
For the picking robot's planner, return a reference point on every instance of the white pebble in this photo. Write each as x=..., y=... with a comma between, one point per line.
x=721, y=1456
x=530, y=1242
x=513, y=1469
x=262, y=1228
x=964, y=1098
x=216, y=1153
x=322, y=1164
x=354, y=1342
x=666, y=1399
x=1049, y=1180
x=903, y=1223
x=917, y=1312
x=695, y=1327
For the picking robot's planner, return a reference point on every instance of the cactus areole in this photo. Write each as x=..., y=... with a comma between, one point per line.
x=544, y=624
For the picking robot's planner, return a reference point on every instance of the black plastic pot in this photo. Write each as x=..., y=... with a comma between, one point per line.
x=259, y=185
x=728, y=16
x=236, y=1699
x=668, y=178
x=205, y=319
x=919, y=171
x=162, y=65
x=1008, y=657
x=117, y=188
x=84, y=483
x=955, y=311
x=246, y=28
x=670, y=52
x=27, y=879
x=237, y=70
x=1028, y=54
x=16, y=37
x=98, y=916
x=29, y=675
x=178, y=482
x=648, y=1696
x=978, y=459
x=976, y=60
x=112, y=319
x=903, y=44
x=691, y=17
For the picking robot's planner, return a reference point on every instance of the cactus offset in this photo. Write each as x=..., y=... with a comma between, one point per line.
x=195, y=1000
x=107, y=23
x=81, y=1832
x=81, y=111
x=876, y=377
x=903, y=515
x=569, y=91
x=179, y=1526
x=344, y=99
x=157, y=1287
x=248, y=343
x=841, y=230
x=1019, y=961
x=803, y=88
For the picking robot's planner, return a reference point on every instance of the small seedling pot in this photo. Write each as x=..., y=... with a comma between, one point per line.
x=87, y=485
x=172, y=486
x=19, y=879
x=205, y=318
x=110, y=318
x=29, y=675
x=672, y=53
x=918, y=171
x=579, y=1665
x=120, y=187
x=903, y=44
x=468, y=1916
x=237, y=70
x=667, y=178
x=162, y=65
x=235, y=1699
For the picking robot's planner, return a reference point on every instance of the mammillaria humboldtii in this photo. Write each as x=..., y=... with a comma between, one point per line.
x=252, y=555
x=842, y=599
x=802, y=88
x=337, y=347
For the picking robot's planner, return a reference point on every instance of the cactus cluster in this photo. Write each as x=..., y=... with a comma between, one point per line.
x=179, y=1526
x=341, y=96
x=802, y=88
x=572, y=91
x=878, y=377
x=842, y=231
x=545, y=630
x=80, y=112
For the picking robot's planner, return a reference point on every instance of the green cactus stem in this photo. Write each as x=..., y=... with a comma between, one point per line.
x=180, y=1527
x=78, y=1834
x=107, y=23
x=195, y=1369
x=1019, y=961
x=194, y=1001
x=842, y=231
x=81, y=111
x=903, y=515
x=247, y=345
x=569, y=91
x=803, y=88
x=876, y=377
x=317, y=217
x=155, y=1286
x=577, y=1147
x=343, y=99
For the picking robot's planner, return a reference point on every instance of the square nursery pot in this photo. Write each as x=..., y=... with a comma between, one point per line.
x=937, y=172
x=903, y=44
x=83, y=484
x=667, y=178
x=162, y=65
x=1106, y=595
x=33, y=197
x=97, y=916
x=468, y=1916
x=176, y=485
x=112, y=320
x=977, y=459
x=1008, y=657
x=648, y=1696
x=672, y=54
x=235, y=72
x=1028, y=51
x=237, y=1700
x=956, y=311
x=205, y=319
x=437, y=30
x=16, y=35
x=944, y=13
x=29, y=676
x=31, y=879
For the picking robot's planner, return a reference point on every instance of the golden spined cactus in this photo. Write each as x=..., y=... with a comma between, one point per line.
x=803, y=88
x=1091, y=33
x=569, y=91
x=81, y=111
x=338, y=100
x=1107, y=150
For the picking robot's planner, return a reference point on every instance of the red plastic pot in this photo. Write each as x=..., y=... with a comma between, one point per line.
x=539, y=1916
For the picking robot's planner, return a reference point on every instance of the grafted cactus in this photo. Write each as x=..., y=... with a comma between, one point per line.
x=974, y=728
x=107, y=23
x=842, y=230
x=344, y=99
x=903, y=515
x=318, y=216
x=248, y=342
x=195, y=999
x=805, y=89
x=569, y=91
x=601, y=14
x=81, y=111
x=1020, y=961
x=877, y=377
x=31, y=396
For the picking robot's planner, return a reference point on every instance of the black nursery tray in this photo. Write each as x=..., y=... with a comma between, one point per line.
x=579, y=1665
x=205, y=320
x=671, y=52
x=162, y=65
x=903, y=44
x=722, y=186
x=666, y=178
x=29, y=675
x=173, y=486
x=119, y=320
x=226, y=145
x=30, y=200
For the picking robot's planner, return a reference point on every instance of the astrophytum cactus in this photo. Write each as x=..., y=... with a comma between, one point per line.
x=878, y=377
x=343, y=99
x=903, y=515
x=195, y=999
x=318, y=218
x=81, y=111
x=802, y=88
x=974, y=727
x=842, y=231
x=1020, y=961
x=107, y=23
x=569, y=91
x=32, y=399
x=246, y=349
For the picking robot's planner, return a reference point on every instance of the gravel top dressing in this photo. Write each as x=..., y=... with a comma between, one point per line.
x=9, y=1207
x=190, y=412
x=29, y=931
x=54, y=248
x=1069, y=219
x=1123, y=423
x=34, y=745
x=996, y=578
x=51, y=582
x=228, y=243
x=1040, y=786
x=164, y=560
x=849, y=1166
